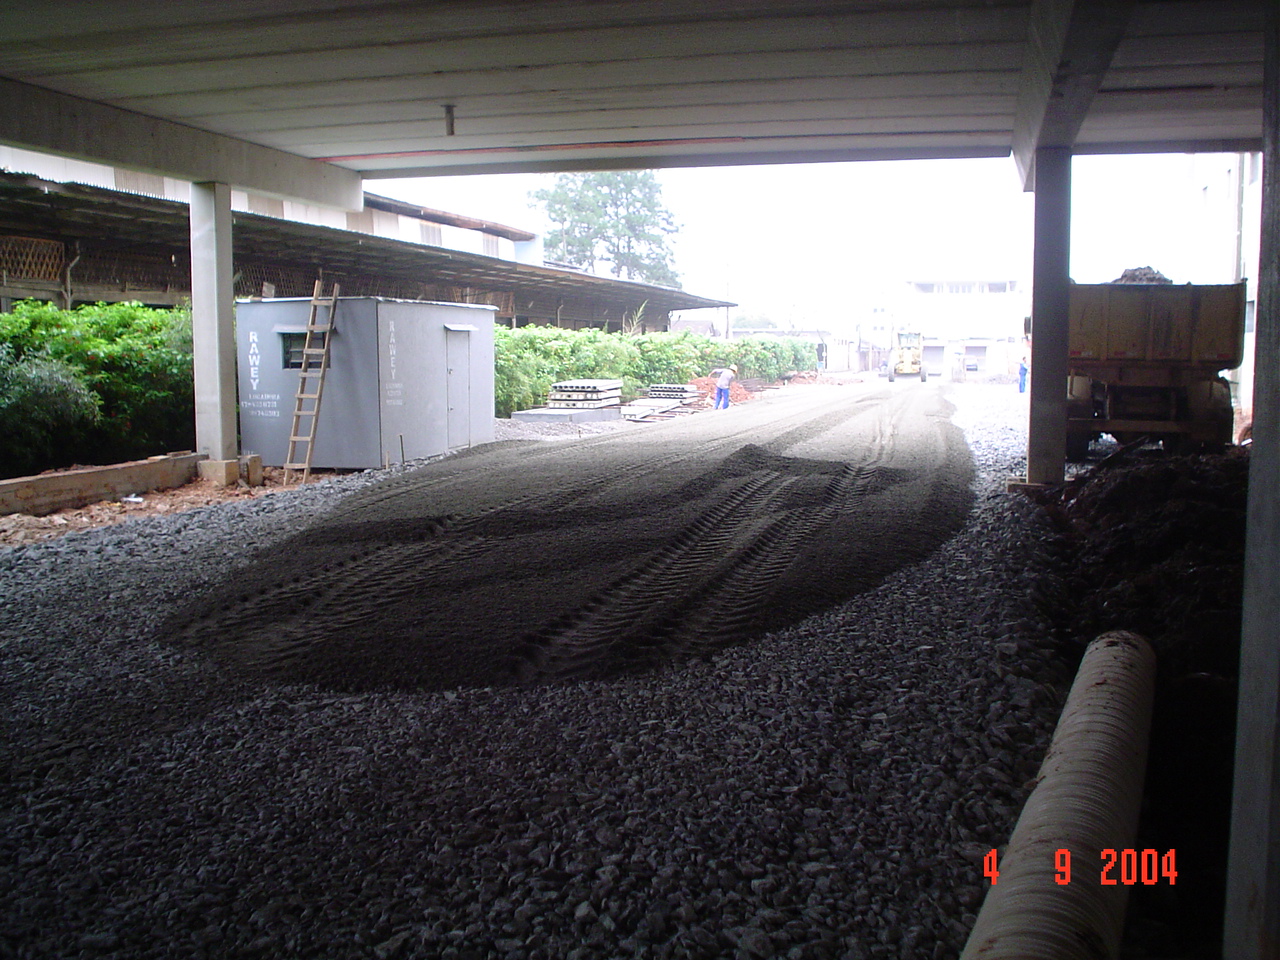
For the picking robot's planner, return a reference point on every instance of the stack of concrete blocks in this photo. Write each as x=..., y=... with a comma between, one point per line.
x=683, y=392
x=585, y=394
x=661, y=400
x=577, y=401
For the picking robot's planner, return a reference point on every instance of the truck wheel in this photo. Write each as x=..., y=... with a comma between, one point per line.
x=891, y=374
x=924, y=374
x=1077, y=447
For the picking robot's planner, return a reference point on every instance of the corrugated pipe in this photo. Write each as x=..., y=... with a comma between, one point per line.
x=1085, y=801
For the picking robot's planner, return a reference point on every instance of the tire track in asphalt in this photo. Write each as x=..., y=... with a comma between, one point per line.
x=460, y=573
x=705, y=590
x=371, y=566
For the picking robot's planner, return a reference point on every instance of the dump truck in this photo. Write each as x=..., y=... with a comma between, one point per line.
x=906, y=359
x=1146, y=360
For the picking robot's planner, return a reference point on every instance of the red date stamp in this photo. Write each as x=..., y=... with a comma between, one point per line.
x=1127, y=867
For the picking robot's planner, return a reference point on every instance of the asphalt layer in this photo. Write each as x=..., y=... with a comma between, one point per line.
x=827, y=790
x=524, y=562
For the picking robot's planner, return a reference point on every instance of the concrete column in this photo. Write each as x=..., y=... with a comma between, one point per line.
x=212, y=311
x=1252, y=927
x=1051, y=279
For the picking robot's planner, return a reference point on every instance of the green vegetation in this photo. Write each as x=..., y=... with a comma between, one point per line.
x=529, y=359
x=110, y=382
x=98, y=384
x=613, y=218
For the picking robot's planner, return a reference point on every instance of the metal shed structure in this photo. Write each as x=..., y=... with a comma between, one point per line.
x=405, y=379
x=305, y=99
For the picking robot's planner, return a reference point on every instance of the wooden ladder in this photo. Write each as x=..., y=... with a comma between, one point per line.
x=306, y=402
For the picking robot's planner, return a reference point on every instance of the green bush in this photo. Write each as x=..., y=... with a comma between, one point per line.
x=668, y=358
x=135, y=360
x=42, y=405
x=529, y=359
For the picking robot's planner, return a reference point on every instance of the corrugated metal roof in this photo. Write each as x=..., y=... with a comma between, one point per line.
x=33, y=207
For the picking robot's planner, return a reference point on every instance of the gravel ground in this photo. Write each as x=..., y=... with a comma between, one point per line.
x=828, y=791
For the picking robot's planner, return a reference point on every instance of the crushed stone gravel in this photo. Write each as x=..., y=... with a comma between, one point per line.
x=828, y=791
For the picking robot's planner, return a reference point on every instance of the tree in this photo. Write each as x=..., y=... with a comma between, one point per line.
x=614, y=219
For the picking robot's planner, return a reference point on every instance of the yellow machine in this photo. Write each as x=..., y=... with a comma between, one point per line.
x=1146, y=360
x=906, y=358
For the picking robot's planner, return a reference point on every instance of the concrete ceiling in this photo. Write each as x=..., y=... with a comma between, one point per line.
x=255, y=92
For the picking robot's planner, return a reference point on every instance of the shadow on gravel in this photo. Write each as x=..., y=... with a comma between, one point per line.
x=1156, y=545
x=625, y=566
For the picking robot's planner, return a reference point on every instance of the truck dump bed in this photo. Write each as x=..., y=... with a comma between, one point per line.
x=1191, y=326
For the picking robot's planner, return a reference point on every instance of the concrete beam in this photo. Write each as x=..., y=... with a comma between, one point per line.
x=212, y=318
x=1252, y=921
x=1070, y=45
x=1050, y=298
x=39, y=119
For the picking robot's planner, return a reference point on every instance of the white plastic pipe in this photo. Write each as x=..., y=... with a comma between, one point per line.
x=1086, y=801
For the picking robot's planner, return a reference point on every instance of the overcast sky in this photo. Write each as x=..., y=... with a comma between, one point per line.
x=798, y=242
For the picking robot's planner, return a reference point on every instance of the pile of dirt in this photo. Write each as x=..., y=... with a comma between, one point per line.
x=707, y=387
x=1142, y=275
x=1157, y=547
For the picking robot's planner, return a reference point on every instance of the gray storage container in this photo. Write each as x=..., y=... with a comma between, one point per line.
x=406, y=379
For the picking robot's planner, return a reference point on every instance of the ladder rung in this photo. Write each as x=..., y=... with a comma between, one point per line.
x=315, y=345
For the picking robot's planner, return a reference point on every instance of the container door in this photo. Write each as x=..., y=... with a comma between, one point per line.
x=457, y=342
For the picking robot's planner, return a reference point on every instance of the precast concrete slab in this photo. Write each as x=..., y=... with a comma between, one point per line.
x=567, y=415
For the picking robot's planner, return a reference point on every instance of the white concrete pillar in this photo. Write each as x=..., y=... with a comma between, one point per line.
x=212, y=313
x=1252, y=922
x=1050, y=291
